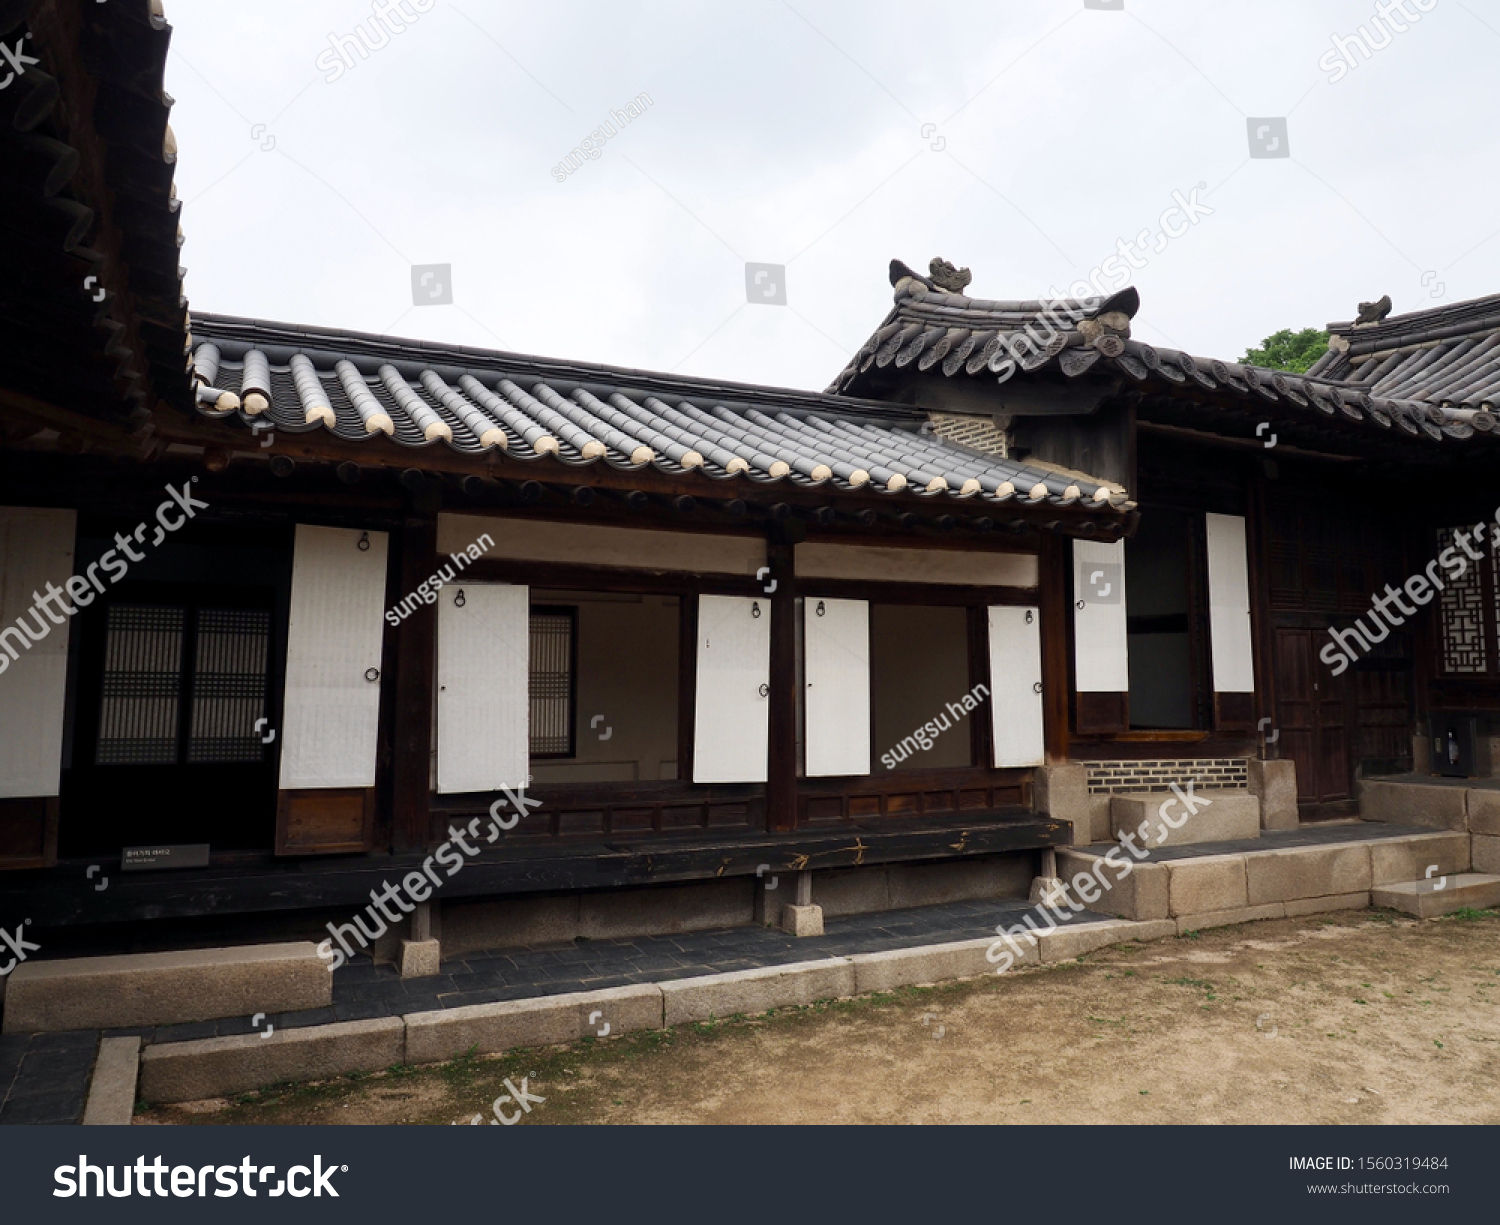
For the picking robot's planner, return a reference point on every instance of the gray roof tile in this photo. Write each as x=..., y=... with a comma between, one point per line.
x=417, y=394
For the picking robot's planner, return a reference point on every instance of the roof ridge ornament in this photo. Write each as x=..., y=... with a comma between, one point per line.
x=948, y=278
x=1373, y=312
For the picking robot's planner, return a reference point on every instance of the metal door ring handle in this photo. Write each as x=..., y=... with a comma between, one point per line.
x=1037, y=687
x=372, y=674
x=765, y=691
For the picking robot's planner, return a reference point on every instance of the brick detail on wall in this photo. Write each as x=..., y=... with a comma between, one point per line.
x=1207, y=773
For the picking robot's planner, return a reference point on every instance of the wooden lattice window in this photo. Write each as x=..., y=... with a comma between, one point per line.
x=1468, y=612
x=553, y=680
x=182, y=685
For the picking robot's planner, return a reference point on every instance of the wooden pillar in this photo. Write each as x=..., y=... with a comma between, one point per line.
x=1262, y=625
x=416, y=658
x=981, y=727
x=687, y=684
x=781, y=764
x=1054, y=561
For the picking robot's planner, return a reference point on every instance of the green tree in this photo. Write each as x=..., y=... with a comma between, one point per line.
x=1289, y=350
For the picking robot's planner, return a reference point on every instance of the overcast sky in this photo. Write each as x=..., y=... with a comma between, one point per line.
x=1021, y=138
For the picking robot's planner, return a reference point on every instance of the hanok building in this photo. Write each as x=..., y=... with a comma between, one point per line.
x=319, y=598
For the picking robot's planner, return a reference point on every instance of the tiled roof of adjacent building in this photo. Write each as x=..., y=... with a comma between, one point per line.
x=414, y=394
x=1443, y=391
x=1446, y=359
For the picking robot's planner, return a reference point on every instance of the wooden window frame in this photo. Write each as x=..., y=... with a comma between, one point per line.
x=571, y=612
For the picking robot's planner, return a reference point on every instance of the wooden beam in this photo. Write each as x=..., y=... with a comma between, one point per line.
x=51, y=898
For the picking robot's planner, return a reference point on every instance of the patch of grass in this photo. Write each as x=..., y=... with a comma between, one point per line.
x=1189, y=935
x=1468, y=914
x=1202, y=984
x=459, y=1073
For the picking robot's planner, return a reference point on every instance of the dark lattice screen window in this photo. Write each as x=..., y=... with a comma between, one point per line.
x=554, y=633
x=139, y=716
x=1468, y=612
x=183, y=684
x=229, y=684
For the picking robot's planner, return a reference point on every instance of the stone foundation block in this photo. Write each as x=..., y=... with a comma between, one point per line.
x=1140, y=895
x=1314, y=871
x=756, y=991
x=1099, y=818
x=1486, y=854
x=1154, y=929
x=1274, y=783
x=1062, y=791
x=1216, y=882
x=802, y=920
x=111, y=1099
x=1227, y=817
x=1484, y=811
x=1409, y=858
x=217, y=1067
x=1228, y=918
x=1322, y=905
x=1067, y=943
x=1443, y=807
x=435, y=1037
x=420, y=958
x=165, y=988
x=934, y=963
x=1426, y=900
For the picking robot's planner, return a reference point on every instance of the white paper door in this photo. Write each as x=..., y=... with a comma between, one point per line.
x=36, y=548
x=836, y=644
x=331, y=712
x=484, y=673
x=1229, y=605
x=1016, y=685
x=1100, y=656
x=734, y=677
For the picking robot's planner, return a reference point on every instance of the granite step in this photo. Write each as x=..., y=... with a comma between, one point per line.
x=1440, y=895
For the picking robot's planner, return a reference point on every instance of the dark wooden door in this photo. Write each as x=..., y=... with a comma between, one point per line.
x=167, y=747
x=1312, y=717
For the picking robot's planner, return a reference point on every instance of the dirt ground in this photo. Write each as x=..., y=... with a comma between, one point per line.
x=1362, y=1017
